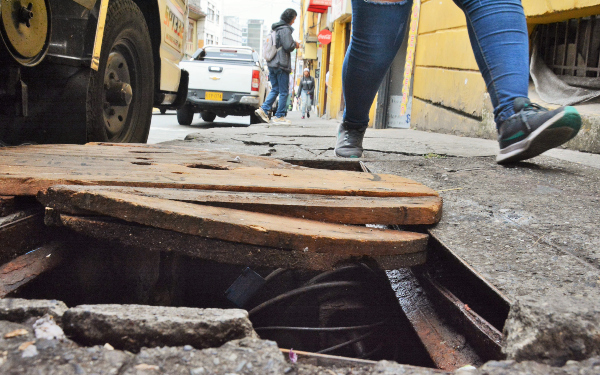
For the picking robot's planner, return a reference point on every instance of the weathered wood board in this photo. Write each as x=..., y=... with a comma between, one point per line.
x=21, y=232
x=236, y=225
x=153, y=239
x=29, y=169
x=328, y=208
x=122, y=155
x=27, y=267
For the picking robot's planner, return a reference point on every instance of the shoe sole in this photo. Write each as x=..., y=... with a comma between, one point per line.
x=349, y=156
x=262, y=115
x=555, y=132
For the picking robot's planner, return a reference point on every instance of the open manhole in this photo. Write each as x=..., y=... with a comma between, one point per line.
x=439, y=315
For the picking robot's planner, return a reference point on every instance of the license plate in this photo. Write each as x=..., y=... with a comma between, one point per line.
x=214, y=96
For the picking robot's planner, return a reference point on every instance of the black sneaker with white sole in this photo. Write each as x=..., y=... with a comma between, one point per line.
x=350, y=140
x=533, y=130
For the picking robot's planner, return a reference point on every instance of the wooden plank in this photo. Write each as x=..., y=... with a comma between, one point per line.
x=27, y=267
x=238, y=226
x=23, y=234
x=124, y=155
x=22, y=173
x=153, y=239
x=328, y=208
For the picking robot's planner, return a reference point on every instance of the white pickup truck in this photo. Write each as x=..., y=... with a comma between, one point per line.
x=224, y=80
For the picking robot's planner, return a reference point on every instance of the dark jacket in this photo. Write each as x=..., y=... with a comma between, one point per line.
x=307, y=84
x=282, y=59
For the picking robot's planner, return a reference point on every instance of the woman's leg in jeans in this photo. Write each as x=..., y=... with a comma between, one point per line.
x=498, y=33
x=304, y=101
x=377, y=32
x=500, y=41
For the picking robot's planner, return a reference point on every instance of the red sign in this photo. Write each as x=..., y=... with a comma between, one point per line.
x=324, y=36
x=319, y=6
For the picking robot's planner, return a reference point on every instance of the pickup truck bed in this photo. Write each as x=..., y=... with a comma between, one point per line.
x=224, y=80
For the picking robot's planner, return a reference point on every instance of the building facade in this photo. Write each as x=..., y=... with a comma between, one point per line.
x=232, y=31
x=205, y=25
x=449, y=93
x=253, y=34
x=445, y=90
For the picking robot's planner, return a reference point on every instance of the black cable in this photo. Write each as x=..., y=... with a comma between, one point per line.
x=321, y=329
x=274, y=274
x=330, y=273
x=349, y=342
x=304, y=289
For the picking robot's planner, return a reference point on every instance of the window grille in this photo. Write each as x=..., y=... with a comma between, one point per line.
x=571, y=48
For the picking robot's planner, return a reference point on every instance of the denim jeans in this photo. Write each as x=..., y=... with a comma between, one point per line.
x=306, y=102
x=497, y=31
x=280, y=85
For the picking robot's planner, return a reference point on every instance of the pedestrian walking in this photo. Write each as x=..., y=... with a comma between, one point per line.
x=279, y=69
x=500, y=41
x=306, y=93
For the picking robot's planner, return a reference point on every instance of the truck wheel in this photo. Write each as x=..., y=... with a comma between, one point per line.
x=121, y=93
x=208, y=116
x=254, y=119
x=163, y=111
x=185, y=115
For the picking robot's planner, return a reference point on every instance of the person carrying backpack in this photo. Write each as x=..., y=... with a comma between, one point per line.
x=280, y=67
x=306, y=91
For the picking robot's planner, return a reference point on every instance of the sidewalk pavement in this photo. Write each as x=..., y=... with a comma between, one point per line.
x=530, y=230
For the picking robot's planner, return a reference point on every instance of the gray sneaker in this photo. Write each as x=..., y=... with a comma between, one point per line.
x=349, y=141
x=281, y=121
x=262, y=115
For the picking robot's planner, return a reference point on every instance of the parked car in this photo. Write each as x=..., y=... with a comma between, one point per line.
x=75, y=71
x=224, y=81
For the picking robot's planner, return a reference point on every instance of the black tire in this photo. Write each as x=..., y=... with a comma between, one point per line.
x=208, y=116
x=254, y=119
x=163, y=111
x=126, y=63
x=185, y=115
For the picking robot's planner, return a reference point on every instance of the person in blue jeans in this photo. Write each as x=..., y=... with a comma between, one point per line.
x=279, y=69
x=500, y=41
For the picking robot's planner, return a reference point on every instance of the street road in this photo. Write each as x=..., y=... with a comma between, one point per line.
x=166, y=128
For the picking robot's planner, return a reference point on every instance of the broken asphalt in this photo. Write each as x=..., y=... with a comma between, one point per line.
x=529, y=230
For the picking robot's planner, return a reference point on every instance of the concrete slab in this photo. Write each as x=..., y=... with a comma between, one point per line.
x=132, y=327
x=19, y=310
x=314, y=138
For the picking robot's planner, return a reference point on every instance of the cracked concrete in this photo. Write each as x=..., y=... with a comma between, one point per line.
x=529, y=230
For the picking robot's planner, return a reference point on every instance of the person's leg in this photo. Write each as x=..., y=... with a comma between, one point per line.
x=378, y=29
x=273, y=78
x=283, y=84
x=500, y=41
x=303, y=102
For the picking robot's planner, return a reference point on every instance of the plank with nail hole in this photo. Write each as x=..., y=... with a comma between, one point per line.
x=28, y=169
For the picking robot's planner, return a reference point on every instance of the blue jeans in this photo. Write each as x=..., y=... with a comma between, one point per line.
x=499, y=38
x=280, y=85
x=306, y=102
